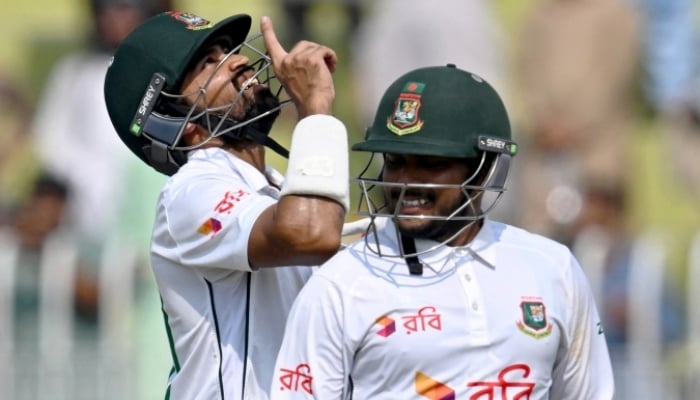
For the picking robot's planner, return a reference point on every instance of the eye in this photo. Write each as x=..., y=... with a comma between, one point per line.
x=215, y=54
x=211, y=59
x=392, y=161
x=435, y=164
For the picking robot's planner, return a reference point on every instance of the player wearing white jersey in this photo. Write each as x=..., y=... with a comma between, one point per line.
x=189, y=98
x=437, y=301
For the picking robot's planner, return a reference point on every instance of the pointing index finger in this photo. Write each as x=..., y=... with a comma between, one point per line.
x=274, y=48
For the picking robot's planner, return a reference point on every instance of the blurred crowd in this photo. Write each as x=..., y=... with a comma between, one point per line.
x=586, y=83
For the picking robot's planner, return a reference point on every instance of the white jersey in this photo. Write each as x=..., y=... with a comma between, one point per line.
x=224, y=321
x=509, y=317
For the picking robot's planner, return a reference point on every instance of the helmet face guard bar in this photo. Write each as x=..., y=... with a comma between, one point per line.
x=373, y=203
x=164, y=131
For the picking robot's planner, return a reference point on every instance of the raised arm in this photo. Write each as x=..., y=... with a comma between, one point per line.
x=304, y=227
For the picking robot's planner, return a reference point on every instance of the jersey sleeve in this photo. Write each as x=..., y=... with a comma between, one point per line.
x=314, y=360
x=207, y=223
x=583, y=369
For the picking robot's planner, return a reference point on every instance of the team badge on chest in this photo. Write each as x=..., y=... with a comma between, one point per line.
x=534, y=319
x=405, y=118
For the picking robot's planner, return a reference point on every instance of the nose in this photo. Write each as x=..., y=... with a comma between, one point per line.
x=236, y=61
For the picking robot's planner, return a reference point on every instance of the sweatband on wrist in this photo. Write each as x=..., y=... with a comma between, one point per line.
x=318, y=160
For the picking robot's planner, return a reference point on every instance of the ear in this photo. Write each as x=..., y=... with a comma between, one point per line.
x=190, y=128
x=190, y=135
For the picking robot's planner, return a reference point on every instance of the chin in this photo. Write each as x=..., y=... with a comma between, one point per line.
x=415, y=229
x=264, y=100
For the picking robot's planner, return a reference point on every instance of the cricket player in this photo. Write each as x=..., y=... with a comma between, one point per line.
x=196, y=100
x=437, y=301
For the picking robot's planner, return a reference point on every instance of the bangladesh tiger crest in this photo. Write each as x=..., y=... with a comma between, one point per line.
x=193, y=22
x=534, y=319
x=405, y=118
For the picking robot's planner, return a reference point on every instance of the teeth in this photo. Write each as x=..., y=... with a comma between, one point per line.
x=414, y=203
x=251, y=82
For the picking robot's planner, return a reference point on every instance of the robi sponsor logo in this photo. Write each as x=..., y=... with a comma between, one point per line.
x=388, y=326
x=513, y=387
x=433, y=389
x=512, y=383
x=210, y=227
x=297, y=379
x=226, y=204
x=424, y=320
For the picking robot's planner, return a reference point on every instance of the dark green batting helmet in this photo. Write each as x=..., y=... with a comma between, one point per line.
x=439, y=111
x=143, y=81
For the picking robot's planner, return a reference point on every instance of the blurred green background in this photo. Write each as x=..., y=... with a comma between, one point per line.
x=35, y=33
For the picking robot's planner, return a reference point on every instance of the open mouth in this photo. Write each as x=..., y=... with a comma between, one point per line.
x=245, y=79
x=412, y=202
x=250, y=82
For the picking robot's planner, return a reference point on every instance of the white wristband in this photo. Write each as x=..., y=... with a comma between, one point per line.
x=318, y=160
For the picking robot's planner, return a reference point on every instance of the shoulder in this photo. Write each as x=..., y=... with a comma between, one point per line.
x=527, y=246
x=531, y=256
x=349, y=267
x=208, y=187
x=212, y=172
x=345, y=266
x=515, y=236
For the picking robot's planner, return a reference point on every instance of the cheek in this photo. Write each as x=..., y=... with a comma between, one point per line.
x=219, y=92
x=387, y=175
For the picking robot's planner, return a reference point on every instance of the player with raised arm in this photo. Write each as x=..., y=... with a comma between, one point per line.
x=196, y=101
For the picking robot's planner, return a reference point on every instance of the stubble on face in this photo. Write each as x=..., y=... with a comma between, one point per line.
x=424, y=211
x=437, y=205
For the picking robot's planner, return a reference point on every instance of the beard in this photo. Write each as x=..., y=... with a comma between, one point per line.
x=436, y=230
x=263, y=101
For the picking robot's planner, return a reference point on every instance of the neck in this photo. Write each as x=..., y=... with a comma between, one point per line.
x=248, y=151
x=252, y=153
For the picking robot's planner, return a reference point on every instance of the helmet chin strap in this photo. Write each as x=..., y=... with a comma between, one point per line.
x=163, y=160
x=415, y=267
x=257, y=130
x=163, y=130
x=253, y=132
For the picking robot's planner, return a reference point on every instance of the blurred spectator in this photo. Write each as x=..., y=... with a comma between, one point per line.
x=604, y=214
x=670, y=58
x=672, y=79
x=110, y=206
x=296, y=15
x=16, y=155
x=609, y=253
x=576, y=68
x=39, y=220
x=75, y=139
